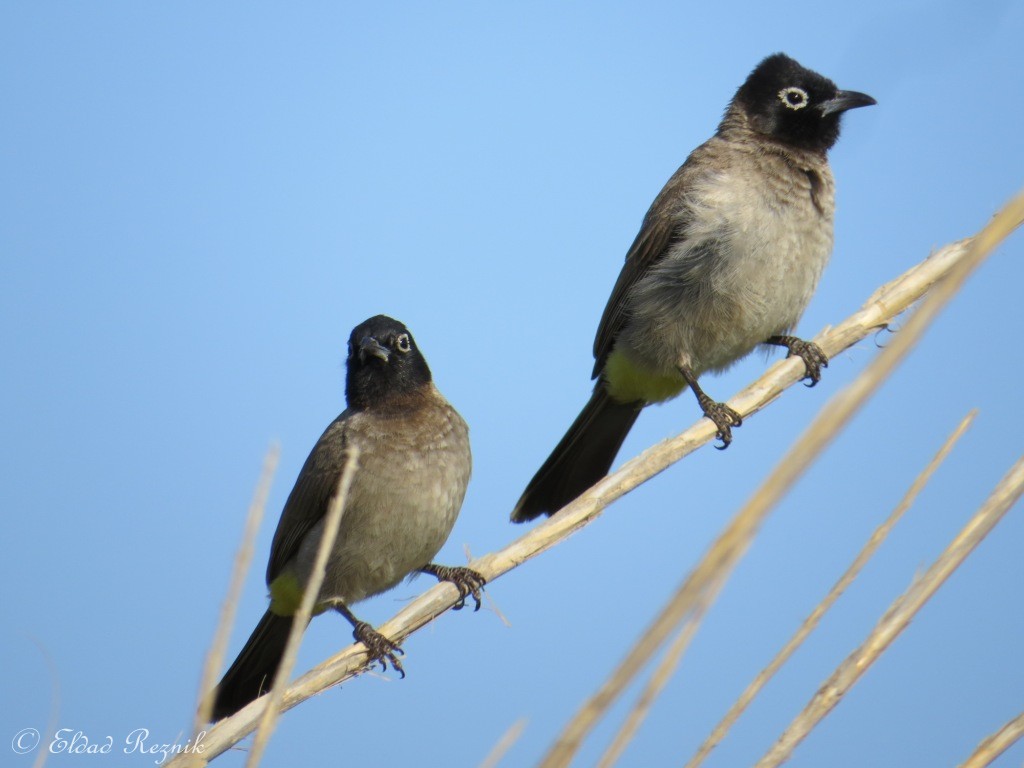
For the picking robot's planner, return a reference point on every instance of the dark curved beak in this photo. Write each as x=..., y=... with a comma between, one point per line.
x=370, y=346
x=845, y=100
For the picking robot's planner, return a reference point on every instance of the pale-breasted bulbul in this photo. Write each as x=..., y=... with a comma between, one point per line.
x=411, y=476
x=727, y=259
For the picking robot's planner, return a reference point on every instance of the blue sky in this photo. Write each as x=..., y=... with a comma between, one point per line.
x=200, y=201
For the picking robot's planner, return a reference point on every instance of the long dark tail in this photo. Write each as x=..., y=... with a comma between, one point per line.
x=582, y=458
x=253, y=671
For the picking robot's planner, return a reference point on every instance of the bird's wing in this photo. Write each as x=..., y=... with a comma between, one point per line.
x=307, y=503
x=662, y=226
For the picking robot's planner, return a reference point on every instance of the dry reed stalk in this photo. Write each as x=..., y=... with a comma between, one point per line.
x=885, y=304
x=510, y=737
x=898, y=616
x=659, y=679
x=243, y=558
x=733, y=543
x=993, y=746
x=332, y=521
x=812, y=621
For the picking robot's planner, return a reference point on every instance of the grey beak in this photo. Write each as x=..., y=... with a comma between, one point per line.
x=845, y=100
x=370, y=346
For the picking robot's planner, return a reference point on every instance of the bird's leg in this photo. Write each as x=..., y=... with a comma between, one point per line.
x=812, y=355
x=468, y=581
x=380, y=649
x=721, y=414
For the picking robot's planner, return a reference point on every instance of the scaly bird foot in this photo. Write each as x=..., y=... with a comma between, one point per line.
x=812, y=355
x=468, y=582
x=380, y=649
x=724, y=417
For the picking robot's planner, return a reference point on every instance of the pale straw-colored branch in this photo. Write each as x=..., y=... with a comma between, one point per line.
x=332, y=521
x=54, y=717
x=215, y=656
x=674, y=653
x=812, y=621
x=510, y=737
x=732, y=544
x=882, y=308
x=993, y=746
x=898, y=616
x=659, y=678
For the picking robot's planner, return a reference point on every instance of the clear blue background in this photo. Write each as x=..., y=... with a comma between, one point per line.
x=201, y=200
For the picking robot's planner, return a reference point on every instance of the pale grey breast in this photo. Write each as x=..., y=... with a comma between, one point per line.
x=413, y=473
x=757, y=233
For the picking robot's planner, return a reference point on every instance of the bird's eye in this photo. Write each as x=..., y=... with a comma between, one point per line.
x=403, y=343
x=793, y=97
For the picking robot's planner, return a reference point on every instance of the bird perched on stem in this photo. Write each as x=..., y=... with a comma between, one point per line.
x=727, y=259
x=413, y=469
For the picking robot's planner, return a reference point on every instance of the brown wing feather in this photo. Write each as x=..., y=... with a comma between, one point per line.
x=307, y=503
x=662, y=226
x=650, y=245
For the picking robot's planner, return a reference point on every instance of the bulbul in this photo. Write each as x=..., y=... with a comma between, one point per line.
x=411, y=476
x=727, y=259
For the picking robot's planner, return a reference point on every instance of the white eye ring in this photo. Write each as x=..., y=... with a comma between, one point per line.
x=403, y=343
x=793, y=97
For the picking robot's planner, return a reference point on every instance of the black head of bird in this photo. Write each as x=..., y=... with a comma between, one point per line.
x=794, y=105
x=384, y=364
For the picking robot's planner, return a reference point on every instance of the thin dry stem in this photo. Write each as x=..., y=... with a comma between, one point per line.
x=898, y=616
x=215, y=656
x=882, y=308
x=812, y=621
x=726, y=552
x=659, y=679
x=332, y=522
x=993, y=746
x=510, y=737
x=51, y=724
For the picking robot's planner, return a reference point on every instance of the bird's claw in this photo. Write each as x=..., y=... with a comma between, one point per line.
x=470, y=583
x=724, y=417
x=379, y=648
x=813, y=356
